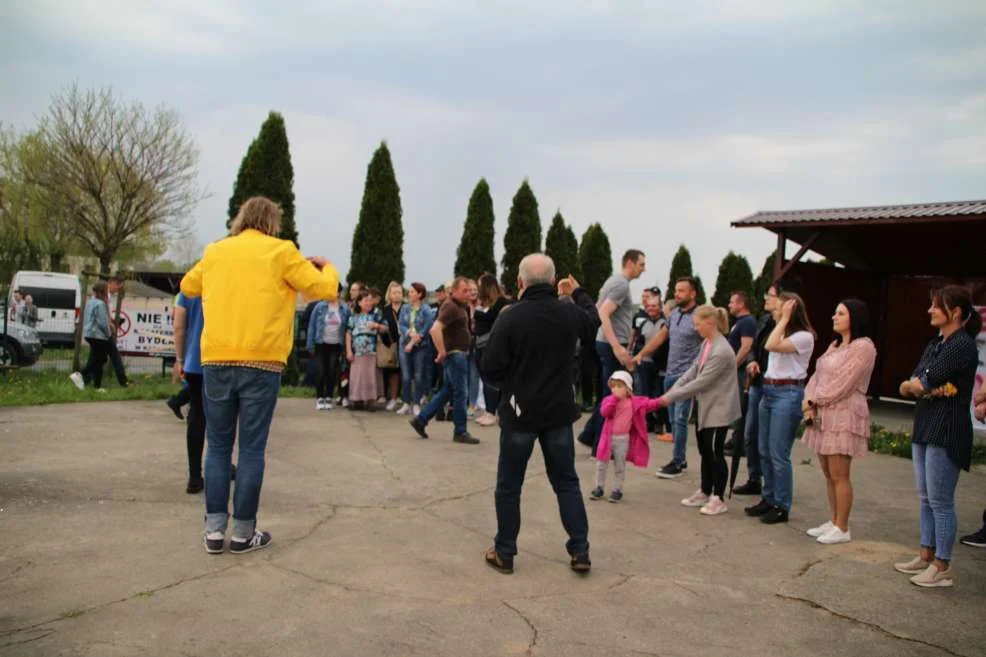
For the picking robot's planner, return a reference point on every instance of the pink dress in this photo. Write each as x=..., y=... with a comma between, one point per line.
x=838, y=389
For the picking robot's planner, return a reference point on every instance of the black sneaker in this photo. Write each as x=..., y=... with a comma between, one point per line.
x=418, y=427
x=214, y=545
x=775, y=516
x=499, y=563
x=195, y=485
x=580, y=563
x=175, y=407
x=749, y=488
x=259, y=541
x=616, y=496
x=465, y=438
x=759, y=509
x=975, y=540
x=672, y=470
x=597, y=493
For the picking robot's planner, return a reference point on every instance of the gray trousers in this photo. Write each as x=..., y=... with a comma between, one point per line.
x=620, y=446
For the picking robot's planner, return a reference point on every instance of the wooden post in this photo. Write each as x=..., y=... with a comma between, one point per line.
x=779, y=255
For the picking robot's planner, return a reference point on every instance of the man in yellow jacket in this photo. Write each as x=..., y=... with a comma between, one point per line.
x=248, y=283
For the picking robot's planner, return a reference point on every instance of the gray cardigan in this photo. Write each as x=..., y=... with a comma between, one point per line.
x=714, y=386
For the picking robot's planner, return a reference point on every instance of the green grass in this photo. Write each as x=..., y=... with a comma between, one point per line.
x=37, y=388
x=898, y=443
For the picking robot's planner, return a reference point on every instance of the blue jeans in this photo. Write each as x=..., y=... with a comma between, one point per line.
x=607, y=365
x=780, y=414
x=455, y=385
x=558, y=450
x=936, y=476
x=679, y=412
x=415, y=371
x=244, y=396
x=752, y=435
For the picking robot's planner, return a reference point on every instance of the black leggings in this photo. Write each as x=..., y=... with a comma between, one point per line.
x=195, y=426
x=714, y=471
x=99, y=353
x=328, y=358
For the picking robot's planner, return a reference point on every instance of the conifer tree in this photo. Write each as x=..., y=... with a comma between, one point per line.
x=562, y=247
x=475, y=253
x=734, y=276
x=523, y=235
x=595, y=259
x=378, y=241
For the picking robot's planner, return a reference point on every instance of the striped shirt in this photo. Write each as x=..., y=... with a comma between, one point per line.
x=946, y=421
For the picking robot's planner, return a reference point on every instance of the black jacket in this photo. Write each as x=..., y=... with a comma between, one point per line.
x=759, y=352
x=530, y=354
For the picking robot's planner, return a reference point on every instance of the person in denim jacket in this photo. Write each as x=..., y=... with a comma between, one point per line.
x=325, y=341
x=414, y=322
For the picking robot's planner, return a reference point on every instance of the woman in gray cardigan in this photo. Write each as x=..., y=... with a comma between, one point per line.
x=711, y=380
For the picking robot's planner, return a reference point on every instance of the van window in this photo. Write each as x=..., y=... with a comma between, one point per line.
x=48, y=297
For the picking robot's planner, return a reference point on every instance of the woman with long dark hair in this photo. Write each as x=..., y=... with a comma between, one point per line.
x=490, y=302
x=941, y=443
x=836, y=415
x=789, y=348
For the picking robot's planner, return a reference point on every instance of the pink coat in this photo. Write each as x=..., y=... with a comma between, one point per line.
x=638, y=451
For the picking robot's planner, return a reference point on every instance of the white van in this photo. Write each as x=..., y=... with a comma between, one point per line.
x=58, y=299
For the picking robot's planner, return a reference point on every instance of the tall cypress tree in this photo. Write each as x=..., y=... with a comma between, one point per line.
x=266, y=171
x=681, y=265
x=734, y=276
x=595, y=259
x=475, y=253
x=523, y=235
x=763, y=282
x=562, y=247
x=700, y=291
x=378, y=241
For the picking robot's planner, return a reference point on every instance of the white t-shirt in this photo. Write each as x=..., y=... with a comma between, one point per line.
x=792, y=365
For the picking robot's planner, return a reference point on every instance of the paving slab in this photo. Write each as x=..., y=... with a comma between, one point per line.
x=378, y=542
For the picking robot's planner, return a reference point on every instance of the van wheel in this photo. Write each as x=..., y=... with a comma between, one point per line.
x=10, y=354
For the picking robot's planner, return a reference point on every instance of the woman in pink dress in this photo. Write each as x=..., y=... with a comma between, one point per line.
x=837, y=417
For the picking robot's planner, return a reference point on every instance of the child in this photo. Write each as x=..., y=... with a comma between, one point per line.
x=361, y=352
x=624, y=433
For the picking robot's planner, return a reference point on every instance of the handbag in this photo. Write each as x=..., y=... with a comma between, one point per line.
x=387, y=357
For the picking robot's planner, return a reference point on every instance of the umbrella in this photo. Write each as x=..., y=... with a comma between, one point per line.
x=739, y=437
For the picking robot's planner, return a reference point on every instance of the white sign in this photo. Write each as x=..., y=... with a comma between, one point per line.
x=981, y=370
x=146, y=327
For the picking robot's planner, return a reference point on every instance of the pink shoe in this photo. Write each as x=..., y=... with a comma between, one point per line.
x=714, y=507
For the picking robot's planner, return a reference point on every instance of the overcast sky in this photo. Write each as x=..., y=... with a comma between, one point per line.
x=663, y=121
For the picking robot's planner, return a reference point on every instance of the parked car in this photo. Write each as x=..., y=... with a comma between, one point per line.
x=57, y=299
x=20, y=345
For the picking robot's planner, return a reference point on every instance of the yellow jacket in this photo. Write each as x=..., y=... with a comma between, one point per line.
x=249, y=285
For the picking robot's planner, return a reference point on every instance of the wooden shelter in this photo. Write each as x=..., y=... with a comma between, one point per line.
x=891, y=257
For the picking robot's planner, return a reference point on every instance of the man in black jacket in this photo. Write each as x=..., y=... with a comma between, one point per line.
x=529, y=355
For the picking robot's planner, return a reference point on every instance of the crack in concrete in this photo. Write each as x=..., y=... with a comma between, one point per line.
x=14, y=573
x=361, y=423
x=42, y=635
x=534, y=630
x=808, y=566
x=110, y=603
x=349, y=588
x=873, y=626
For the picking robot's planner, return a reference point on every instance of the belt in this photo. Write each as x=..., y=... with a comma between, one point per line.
x=783, y=382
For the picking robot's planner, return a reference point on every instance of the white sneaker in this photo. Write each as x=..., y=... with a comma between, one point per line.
x=77, y=379
x=391, y=405
x=933, y=578
x=416, y=410
x=714, y=507
x=821, y=530
x=345, y=402
x=696, y=500
x=382, y=400
x=404, y=409
x=319, y=404
x=834, y=536
x=103, y=390
x=328, y=405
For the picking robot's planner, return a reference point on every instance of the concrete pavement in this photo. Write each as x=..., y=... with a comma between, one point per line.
x=378, y=542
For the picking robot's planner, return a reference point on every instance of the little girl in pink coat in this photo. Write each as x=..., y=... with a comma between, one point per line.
x=624, y=434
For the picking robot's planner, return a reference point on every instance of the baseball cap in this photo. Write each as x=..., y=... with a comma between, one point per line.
x=624, y=377
x=655, y=290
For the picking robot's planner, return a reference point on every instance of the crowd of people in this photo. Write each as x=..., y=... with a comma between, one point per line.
x=657, y=368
